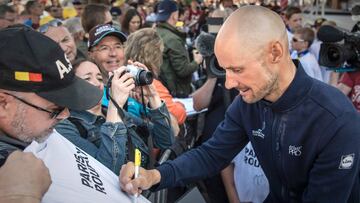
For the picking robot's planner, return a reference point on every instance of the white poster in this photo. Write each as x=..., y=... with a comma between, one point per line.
x=76, y=176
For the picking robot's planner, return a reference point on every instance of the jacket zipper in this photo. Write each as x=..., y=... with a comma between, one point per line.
x=278, y=146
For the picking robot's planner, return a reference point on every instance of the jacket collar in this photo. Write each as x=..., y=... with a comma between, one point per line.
x=295, y=93
x=173, y=29
x=84, y=115
x=12, y=141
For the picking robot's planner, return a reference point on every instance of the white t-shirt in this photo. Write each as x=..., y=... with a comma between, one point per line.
x=290, y=36
x=76, y=176
x=250, y=180
x=311, y=66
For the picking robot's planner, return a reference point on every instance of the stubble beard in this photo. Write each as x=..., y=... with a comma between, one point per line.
x=268, y=88
x=23, y=132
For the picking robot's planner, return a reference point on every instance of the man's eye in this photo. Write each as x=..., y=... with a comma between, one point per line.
x=119, y=46
x=104, y=48
x=236, y=70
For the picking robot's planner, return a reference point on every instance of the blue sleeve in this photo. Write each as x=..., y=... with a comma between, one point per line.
x=70, y=132
x=161, y=129
x=212, y=156
x=159, y=126
x=111, y=151
x=336, y=168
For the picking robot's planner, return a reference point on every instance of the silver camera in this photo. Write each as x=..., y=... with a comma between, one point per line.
x=142, y=77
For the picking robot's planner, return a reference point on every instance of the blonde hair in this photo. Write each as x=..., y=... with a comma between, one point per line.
x=145, y=46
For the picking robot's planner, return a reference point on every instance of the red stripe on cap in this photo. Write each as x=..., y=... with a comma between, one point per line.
x=35, y=77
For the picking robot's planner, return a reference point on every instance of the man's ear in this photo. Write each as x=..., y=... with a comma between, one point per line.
x=4, y=104
x=276, y=52
x=174, y=16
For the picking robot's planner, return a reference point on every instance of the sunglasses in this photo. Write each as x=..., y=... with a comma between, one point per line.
x=53, y=23
x=53, y=114
x=297, y=40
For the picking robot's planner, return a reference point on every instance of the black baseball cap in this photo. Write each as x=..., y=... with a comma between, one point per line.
x=115, y=11
x=98, y=33
x=32, y=62
x=165, y=9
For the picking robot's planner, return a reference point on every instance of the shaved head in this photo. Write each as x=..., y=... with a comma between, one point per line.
x=253, y=27
x=252, y=47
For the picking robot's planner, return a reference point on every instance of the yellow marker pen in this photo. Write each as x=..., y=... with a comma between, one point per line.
x=137, y=162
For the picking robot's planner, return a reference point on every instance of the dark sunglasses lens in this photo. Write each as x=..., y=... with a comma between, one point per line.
x=56, y=113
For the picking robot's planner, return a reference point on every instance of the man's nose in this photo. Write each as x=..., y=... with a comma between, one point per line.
x=230, y=82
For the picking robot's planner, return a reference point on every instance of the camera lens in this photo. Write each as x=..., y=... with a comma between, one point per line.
x=144, y=78
x=215, y=68
x=334, y=54
x=141, y=76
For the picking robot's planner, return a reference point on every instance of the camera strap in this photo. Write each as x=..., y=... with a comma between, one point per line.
x=130, y=145
x=150, y=142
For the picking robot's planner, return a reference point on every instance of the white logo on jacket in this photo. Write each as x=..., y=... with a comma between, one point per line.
x=347, y=161
x=258, y=132
x=294, y=150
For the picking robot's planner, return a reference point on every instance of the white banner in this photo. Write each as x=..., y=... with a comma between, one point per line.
x=76, y=176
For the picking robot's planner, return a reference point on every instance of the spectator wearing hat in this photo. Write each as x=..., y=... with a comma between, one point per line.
x=116, y=16
x=355, y=15
x=106, y=48
x=37, y=88
x=56, y=30
x=176, y=69
x=39, y=84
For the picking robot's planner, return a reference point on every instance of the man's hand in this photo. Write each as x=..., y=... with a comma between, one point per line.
x=121, y=85
x=146, y=179
x=197, y=57
x=23, y=177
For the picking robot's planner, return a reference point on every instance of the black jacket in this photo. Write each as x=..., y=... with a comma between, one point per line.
x=8, y=145
x=307, y=142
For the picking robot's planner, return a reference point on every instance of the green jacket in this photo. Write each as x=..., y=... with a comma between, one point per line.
x=176, y=69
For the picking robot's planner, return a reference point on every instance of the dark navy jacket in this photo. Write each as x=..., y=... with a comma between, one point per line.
x=307, y=142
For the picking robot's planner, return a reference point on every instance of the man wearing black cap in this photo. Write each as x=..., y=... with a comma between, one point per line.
x=176, y=69
x=37, y=86
x=106, y=48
